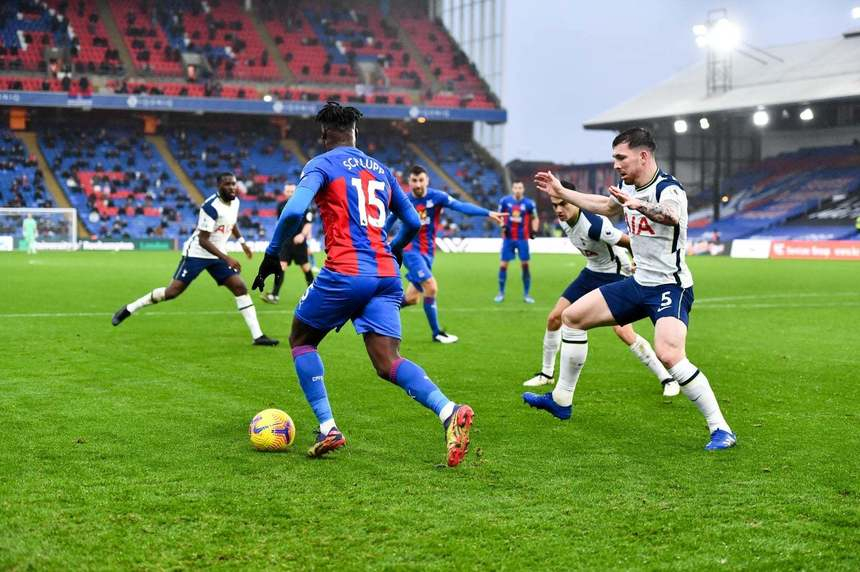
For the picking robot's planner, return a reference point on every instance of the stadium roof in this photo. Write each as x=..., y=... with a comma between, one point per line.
x=811, y=71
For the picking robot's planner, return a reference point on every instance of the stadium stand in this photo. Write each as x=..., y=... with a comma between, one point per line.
x=21, y=181
x=55, y=39
x=256, y=156
x=221, y=31
x=780, y=189
x=461, y=86
x=118, y=182
x=346, y=51
x=145, y=39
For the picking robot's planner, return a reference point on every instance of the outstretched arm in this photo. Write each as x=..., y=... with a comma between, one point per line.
x=475, y=210
x=548, y=183
x=663, y=213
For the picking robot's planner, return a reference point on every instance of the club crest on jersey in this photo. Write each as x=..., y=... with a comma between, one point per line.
x=422, y=214
x=639, y=225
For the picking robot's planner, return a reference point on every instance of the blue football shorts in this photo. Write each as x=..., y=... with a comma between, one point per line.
x=190, y=267
x=372, y=303
x=629, y=301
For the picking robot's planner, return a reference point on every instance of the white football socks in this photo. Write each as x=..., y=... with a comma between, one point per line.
x=695, y=386
x=551, y=343
x=574, y=350
x=643, y=350
x=153, y=297
x=246, y=308
x=327, y=426
x=446, y=411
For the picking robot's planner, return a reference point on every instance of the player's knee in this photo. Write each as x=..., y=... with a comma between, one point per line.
x=553, y=321
x=572, y=320
x=172, y=292
x=382, y=364
x=668, y=354
x=430, y=288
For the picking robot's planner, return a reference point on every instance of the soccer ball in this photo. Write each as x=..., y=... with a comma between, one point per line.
x=271, y=430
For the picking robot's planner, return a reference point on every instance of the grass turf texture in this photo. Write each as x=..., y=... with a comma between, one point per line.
x=127, y=448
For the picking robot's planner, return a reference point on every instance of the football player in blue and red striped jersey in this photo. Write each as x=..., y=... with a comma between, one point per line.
x=418, y=255
x=361, y=278
x=522, y=224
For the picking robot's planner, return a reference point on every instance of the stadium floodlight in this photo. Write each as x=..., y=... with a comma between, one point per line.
x=701, y=41
x=421, y=119
x=807, y=114
x=267, y=98
x=704, y=123
x=760, y=118
x=855, y=12
x=700, y=30
x=680, y=126
x=724, y=36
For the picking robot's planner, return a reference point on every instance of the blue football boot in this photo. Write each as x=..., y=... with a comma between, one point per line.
x=720, y=440
x=546, y=402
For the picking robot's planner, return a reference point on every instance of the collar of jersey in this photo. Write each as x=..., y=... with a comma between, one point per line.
x=576, y=220
x=651, y=182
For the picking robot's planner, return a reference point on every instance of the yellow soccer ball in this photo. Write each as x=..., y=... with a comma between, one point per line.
x=272, y=430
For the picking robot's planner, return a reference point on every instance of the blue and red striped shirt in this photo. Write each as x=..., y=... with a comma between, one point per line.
x=521, y=212
x=430, y=208
x=355, y=194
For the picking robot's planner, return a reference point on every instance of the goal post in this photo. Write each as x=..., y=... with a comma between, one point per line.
x=56, y=228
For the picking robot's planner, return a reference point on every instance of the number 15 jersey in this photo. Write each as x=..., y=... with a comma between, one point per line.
x=355, y=194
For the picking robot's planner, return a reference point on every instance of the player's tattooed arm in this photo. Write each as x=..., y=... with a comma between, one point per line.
x=664, y=213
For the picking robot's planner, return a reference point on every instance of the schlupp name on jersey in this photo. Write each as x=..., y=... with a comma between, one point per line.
x=353, y=163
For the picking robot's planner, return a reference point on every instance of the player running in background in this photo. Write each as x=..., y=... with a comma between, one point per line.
x=655, y=208
x=522, y=224
x=30, y=231
x=294, y=249
x=418, y=254
x=205, y=250
x=360, y=280
x=607, y=260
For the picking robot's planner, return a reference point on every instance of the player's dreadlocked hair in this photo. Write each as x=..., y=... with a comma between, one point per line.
x=336, y=118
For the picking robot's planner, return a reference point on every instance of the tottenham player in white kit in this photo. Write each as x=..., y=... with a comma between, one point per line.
x=205, y=250
x=607, y=260
x=655, y=208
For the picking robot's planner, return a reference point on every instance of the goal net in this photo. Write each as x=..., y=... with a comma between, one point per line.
x=56, y=229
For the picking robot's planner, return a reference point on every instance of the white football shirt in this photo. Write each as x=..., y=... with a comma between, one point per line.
x=218, y=218
x=659, y=249
x=595, y=237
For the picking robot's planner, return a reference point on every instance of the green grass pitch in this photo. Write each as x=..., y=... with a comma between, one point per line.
x=126, y=448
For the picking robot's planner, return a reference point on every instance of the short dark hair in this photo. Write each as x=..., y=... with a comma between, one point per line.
x=517, y=182
x=635, y=137
x=337, y=118
x=417, y=170
x=224, y=175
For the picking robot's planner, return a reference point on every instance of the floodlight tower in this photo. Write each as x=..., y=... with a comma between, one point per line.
x=721, y=37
